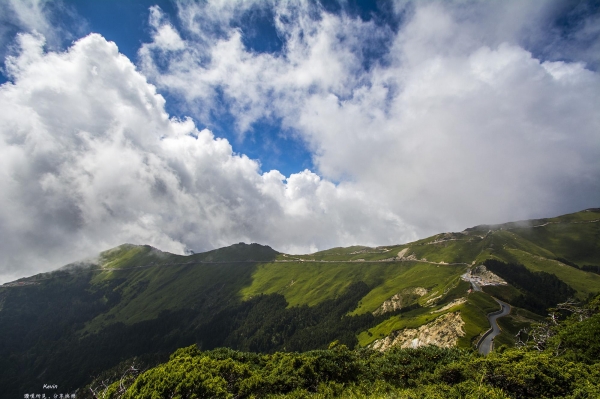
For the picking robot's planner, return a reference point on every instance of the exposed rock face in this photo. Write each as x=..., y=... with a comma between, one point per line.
x=443, y=332
x=487, y=277
x=394, y=303
x=402, y=253
x=432, y=301
x=402, y=299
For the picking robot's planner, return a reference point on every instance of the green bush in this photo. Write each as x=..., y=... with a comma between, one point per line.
x=427, y=372
x=577, y=340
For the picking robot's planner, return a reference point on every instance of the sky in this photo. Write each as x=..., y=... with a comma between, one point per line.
x=304, y=125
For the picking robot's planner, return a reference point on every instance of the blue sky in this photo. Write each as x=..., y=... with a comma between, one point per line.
x=126, y=24
x=301, y=125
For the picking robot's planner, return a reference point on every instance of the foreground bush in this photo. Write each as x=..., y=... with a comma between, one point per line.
x=568, y=367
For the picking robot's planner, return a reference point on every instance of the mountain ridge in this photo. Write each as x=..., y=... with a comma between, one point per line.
x=135, y=300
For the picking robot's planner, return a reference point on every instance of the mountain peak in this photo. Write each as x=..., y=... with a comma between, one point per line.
x=240, y=252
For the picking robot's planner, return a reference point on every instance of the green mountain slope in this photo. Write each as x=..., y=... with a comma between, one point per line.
x=71, y=324
x=564, y=364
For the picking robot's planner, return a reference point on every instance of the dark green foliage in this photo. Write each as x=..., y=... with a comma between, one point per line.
x=540, y=290
x=266, y=324
x=420, y=373
x=35, y=318
x=530, y=374
x=427, y=372
x=577, y=340
x=585, y=268
x=191, y=373
x=263, y=324
x=591, y=268
x=567, y=262
x=451, y=374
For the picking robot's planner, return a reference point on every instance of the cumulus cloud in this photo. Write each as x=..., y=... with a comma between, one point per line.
x=319, y=56
x=459, y=123
x=460, y=120
x=89, y=159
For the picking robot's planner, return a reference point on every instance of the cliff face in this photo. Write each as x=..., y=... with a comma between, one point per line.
x=443, y=332
x=404, y=298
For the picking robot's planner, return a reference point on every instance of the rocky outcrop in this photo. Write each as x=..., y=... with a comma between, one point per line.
x=450, y=305
x=402, y=255
x=432, y=301
x=443, y=332
x=486, y=277
x=404, y=298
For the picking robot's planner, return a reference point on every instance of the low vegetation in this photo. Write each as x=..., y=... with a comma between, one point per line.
x=560, y=363
x=539, y=290
x=138, y=302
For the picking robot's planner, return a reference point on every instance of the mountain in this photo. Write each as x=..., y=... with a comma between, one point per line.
x=68, y=326
x=561, y=361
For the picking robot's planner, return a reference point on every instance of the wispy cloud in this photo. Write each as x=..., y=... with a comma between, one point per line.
x=47, y=18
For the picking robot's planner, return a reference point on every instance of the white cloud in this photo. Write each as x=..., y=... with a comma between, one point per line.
x=459, y=125
x=29, y=14
x=90, y=160
x=165, y=36
x=44, y=17
x=319, y=56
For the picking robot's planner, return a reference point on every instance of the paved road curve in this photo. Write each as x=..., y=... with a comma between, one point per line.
x=486, y=345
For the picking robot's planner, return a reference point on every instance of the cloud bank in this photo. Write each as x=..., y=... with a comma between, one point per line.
x=90, y=160
x=455, y=123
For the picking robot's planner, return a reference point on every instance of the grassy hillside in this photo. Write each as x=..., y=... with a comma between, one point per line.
x=149, y=281
x=312, y=282
x=575, y=236
x=155, y=281
x=138, y=301
x=473, y=313
x=542, y=371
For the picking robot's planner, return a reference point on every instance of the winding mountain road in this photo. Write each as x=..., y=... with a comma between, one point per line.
x=487, y=342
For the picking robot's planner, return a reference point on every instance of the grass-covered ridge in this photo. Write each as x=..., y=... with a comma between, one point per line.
x=153, y=281
x=138, y=301
x=312, y=282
